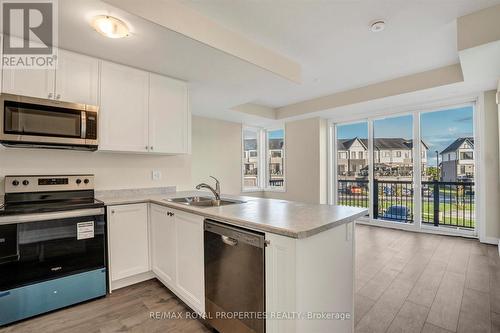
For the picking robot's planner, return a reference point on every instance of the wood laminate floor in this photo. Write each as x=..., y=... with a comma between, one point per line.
x=405, y=282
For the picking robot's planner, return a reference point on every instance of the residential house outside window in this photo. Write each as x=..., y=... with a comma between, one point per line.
x=275, y=160
x=468, y=155
x=251, y=176
x=262, y=147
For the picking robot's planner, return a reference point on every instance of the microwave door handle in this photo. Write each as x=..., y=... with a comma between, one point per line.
x=84, y=125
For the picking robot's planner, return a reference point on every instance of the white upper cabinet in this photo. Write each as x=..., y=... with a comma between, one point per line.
x=77, y=78
x=38, y=83
x=124, y=108
x=29, y=82
x=168, y=115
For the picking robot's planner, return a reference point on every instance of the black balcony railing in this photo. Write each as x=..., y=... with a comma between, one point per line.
x=353, y=193
x=393, y=200
x=448, y=203
x=443, y=203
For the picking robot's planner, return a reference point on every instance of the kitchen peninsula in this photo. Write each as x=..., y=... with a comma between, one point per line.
x=309, y=252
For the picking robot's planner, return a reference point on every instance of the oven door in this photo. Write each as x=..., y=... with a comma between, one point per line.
x=39, y=247
x=33, y=120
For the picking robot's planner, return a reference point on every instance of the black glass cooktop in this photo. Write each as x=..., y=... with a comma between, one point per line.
x=43, y=202
x=32, y=208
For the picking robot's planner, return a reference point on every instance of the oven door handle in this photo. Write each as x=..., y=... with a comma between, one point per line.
x=23, y=218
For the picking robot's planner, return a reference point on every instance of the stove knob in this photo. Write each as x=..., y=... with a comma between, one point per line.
x=15, y=182
x=78, y=181
x=26, y=182
x=86, y=181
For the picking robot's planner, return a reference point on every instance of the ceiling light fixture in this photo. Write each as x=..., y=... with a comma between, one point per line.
x=110, y=26
x=377, y=26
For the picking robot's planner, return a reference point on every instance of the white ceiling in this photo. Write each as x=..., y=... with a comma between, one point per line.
x=330, y=39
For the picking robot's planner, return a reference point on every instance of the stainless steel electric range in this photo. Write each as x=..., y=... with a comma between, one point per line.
x=52, y=245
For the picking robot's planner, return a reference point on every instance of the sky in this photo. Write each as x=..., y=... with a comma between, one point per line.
x=277, y=134
x=438, y=129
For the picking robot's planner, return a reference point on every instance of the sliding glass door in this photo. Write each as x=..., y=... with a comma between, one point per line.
x=393, y=169
x=415, y=170
x=352, y=165
x=448, y=173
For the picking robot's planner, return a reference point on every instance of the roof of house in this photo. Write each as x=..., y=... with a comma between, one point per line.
x=457, y=143
x=251, y=144
x=379, y=143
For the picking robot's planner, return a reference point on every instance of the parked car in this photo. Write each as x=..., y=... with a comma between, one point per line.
x=397, y=213
x=355, y=190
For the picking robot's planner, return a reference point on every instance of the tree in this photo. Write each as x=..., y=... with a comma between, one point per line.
x=434, y=172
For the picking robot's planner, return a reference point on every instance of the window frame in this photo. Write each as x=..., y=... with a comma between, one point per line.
x=476, y=101
x=258, y=164
x=263, y=160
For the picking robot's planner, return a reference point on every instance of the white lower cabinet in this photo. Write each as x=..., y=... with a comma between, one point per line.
x=163, y=244
x=311, y=275
x=128, y=241
x=177, y=253
x=190, y=277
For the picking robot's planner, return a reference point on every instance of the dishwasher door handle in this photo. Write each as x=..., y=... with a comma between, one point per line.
x=229, y=241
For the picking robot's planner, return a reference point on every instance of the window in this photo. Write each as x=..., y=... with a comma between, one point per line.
x=263, y=147
x=353, y=154
x=360, y=155
x=275, y=160
x=251, y=176
x=343, y=155
x=275, y=153
x=398, y=153
x=466, y=155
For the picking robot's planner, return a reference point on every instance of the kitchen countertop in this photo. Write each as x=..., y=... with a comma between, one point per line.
x=286, y=218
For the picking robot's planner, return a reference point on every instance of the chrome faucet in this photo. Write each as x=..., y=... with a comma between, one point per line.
x=216, y=192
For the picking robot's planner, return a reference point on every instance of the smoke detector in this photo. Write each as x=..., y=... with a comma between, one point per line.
x=377, y=26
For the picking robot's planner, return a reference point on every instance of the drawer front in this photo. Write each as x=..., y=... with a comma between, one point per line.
x=31, y=300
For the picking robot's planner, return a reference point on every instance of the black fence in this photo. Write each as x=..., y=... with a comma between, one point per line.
x=443, y=203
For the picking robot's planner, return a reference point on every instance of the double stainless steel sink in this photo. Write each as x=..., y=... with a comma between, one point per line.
x=204, y=201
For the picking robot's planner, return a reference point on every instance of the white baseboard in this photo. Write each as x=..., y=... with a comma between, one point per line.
x=490, y=240
x=131, y=280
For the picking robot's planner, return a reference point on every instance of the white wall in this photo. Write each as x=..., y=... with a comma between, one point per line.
x=112, y=170
x=491, y=167
x=216, y=151
x=305, y=162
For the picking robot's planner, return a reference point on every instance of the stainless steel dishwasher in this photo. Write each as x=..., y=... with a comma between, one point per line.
x=234, y=278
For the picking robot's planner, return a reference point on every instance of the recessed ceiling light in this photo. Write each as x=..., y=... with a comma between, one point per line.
x=110, y=26
x=377, y=25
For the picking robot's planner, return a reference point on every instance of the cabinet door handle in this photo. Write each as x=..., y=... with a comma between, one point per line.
x=151, y=147
x=147, y=148
x=112, y=212
x=50, y=95
x=58, y=96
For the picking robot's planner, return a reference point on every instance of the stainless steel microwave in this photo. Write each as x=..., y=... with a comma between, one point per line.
x=42, y=123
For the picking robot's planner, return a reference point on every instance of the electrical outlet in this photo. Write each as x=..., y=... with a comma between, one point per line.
x=156, y=175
